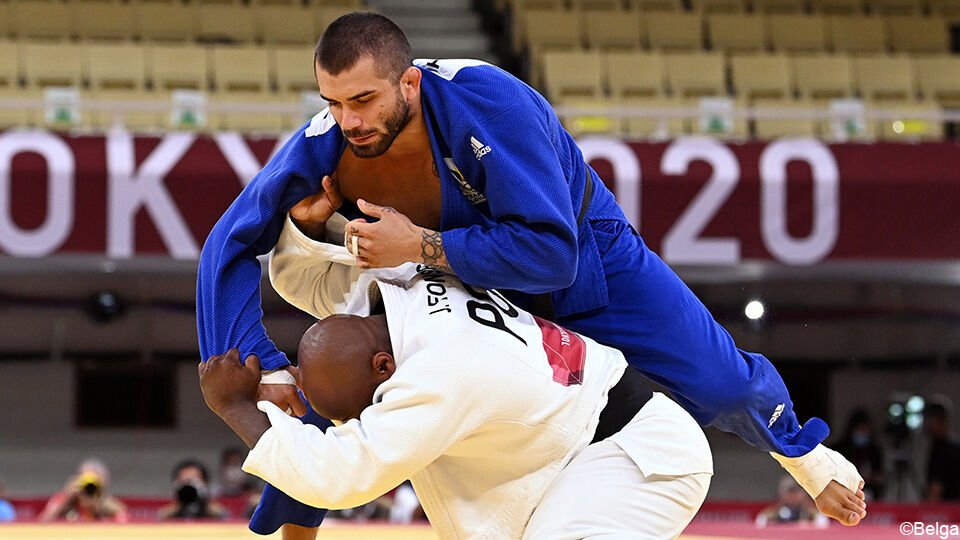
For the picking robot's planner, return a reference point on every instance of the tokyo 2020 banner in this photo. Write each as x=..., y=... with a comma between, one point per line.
x=695, y=200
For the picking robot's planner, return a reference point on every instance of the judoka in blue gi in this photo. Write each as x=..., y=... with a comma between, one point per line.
x=467, y=168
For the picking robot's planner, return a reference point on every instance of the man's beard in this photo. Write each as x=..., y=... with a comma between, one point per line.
x=394, y=124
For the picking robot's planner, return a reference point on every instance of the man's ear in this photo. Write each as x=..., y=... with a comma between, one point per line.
x=410, y=82
x=383, y=366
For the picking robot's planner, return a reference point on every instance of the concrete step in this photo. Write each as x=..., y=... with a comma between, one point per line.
x=464, y=46
x=419, y=24
x=422, y=5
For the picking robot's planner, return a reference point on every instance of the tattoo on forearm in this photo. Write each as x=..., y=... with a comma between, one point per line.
x=431, y=251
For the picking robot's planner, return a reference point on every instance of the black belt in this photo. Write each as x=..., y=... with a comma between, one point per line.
x=624, y=401
x=542, y=304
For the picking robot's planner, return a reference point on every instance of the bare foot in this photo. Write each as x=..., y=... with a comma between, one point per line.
x=841, y=504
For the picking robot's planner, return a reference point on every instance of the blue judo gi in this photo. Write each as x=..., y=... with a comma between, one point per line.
x=512, y=185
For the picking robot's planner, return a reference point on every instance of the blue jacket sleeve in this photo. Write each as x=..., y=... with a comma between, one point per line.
x=533, y=245
x=228, y=277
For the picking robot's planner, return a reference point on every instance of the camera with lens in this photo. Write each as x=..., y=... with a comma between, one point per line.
x=191, y=497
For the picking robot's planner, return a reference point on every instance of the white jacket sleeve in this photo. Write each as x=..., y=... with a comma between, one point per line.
x=317, y=277
x=415, y=417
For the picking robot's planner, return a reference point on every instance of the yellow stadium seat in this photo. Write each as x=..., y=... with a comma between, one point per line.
x=654, y=5
x=719, y=6
x=779, y=6
x=733, y=32
x=761, y=76
x=121, y=66
x=597, y=5
x=612, y=30
x=9, y=65
x=914, y=34
x=41, y=19
x=103, y=20
x=4, y=20
x=773, y=128
x=293, y=69
x=165, y=22
x=882, y=79
x=895, y=7
x=674, y=31
x=52, y=64
x=549, y=29
x=694, y=75
x=822, y=78
x=797, y=33
x=857, y=34
x=939, y=79
x=226, y=23
x=287, y=25
x=945, y=8
x=634, y=75
x=572, y=74
x=241, y=75
x=172, y=67
x=325, y=14
x=352, y=5
x=240, y=69
x=837, y=7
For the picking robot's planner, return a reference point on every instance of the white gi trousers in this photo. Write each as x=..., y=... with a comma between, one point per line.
x=645, y=482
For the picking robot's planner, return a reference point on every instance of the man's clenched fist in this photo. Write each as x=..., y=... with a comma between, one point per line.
x=227, y=384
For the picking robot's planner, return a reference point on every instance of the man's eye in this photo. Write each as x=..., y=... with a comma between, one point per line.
x=363, y=101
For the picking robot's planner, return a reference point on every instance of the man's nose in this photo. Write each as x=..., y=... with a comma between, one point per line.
x=350, y=120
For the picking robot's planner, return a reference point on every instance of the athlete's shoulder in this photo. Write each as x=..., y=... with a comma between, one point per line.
x=473, y=84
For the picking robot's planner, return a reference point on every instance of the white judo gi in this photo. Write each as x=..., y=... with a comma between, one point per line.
x=490, y=413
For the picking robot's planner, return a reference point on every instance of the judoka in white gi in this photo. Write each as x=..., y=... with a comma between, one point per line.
x=492, y=413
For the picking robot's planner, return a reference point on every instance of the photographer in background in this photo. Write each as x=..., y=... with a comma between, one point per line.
x=85, y=497
x=191, y=494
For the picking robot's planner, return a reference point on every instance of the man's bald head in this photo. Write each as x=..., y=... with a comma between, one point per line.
x=342, y=360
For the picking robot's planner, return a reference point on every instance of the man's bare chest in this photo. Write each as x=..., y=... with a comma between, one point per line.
x=411, y=187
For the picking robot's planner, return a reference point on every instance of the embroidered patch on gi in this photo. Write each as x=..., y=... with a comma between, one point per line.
x=776, y=414
x=472, y=195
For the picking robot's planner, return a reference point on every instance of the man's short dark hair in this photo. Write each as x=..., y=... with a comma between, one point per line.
x=188, y=463
x=363, y=33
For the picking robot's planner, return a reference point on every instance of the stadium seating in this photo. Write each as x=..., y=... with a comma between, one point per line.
x=797, y=33
x=761, y=77
x=856, y=34
x=696, y=74
x=736, y=32
x=40, y=19
x=612, y=30
x=914, y=34
x=572, y=74
x=820, y=78
x=939, y=79
x=180, y=66
x=103, y=21
x=163, y=22
x=292, y=70
x=634, y=75
x=286, y=25
x=674, y=31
